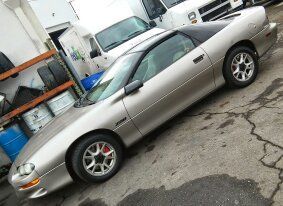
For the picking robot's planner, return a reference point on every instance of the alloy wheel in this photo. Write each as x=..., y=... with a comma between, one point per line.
x=243, y=67
x=99, y=158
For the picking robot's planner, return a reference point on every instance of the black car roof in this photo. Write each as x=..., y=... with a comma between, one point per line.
x=200, y=32
x=204, y=31
x=146, y=44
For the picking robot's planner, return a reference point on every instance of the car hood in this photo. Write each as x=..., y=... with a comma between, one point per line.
x=49, y=131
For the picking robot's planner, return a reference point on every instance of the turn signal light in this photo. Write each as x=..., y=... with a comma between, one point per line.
x=194, y=21
x=30, y=184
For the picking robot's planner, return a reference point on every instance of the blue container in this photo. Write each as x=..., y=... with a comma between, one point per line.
x=12, y=140
x=91, y=80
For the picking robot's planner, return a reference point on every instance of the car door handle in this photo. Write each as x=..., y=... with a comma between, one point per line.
x=198, y=59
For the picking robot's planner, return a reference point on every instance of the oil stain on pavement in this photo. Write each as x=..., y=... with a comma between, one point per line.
x=226, y=124
x=207, y=191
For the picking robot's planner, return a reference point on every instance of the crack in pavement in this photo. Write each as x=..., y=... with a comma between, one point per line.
x=263, y=102
x=273, y=166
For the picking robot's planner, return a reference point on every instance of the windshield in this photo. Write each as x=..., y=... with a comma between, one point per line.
x=121, y=32
x=171, y=3
x=113, y=79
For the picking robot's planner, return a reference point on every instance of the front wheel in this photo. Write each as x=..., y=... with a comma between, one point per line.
x=241, y=67
x=97, y=158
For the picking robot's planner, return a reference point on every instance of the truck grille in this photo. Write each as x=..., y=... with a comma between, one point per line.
x=214, y=9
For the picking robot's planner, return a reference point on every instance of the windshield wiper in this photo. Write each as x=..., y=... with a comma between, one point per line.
x=82, y=101
x=137, y=32
x=116, y=43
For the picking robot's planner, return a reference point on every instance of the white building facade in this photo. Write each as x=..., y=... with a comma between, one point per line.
x=22, y=38
x=55, y=16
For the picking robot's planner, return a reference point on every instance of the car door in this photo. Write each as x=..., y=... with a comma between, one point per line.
x=175, y=74
x=157, y=12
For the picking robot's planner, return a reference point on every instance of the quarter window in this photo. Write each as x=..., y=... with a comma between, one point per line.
x=162, y=56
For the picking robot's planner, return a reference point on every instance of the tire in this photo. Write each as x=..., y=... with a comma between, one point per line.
x=58, y=72
x=244, y=4
x=47, y=77
x=247, y=69
x=79, y=163
x=6, y=64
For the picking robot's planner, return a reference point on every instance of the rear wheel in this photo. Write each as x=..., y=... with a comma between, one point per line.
x=241, y=67
x=244, y=4
x=97, y=158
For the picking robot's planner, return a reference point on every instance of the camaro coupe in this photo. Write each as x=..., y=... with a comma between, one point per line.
x=146, y=86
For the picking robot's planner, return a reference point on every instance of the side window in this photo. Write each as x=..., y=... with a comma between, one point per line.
x=153, y=8
x=93, y=45
x=162, y=56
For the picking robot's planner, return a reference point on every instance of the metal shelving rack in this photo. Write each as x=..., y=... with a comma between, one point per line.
x=47, y=95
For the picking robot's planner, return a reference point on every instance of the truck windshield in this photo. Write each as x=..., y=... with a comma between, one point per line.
x=171, y=3
x=121, y=32
x=113, y=79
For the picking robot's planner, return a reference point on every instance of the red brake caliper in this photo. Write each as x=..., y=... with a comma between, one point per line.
x=106, y=149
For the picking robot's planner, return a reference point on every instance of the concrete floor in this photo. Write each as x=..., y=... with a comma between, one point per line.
x=226, y=150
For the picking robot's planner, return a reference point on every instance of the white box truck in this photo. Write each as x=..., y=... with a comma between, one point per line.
x=94, y=43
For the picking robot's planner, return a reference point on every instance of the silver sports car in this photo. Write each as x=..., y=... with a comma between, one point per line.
x=146, y=86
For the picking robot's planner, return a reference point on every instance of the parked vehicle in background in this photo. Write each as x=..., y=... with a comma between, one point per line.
x=125, y=23
x=169, y=14
x=145, y=87
x=257, y=2
x=94, y=44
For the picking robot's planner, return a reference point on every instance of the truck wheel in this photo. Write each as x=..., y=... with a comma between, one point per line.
x=244, y=4
x=47, y=77
x=97, y=158
x=241, y=67
x=58, y=72
x=6, y=64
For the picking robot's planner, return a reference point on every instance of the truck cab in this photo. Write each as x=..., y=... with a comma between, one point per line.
x=107, y=45
x=168, y=14
x=93, y=47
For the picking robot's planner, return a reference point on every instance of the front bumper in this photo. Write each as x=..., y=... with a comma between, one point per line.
x=49, y=182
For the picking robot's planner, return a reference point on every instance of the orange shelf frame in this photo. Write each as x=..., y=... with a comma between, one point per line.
x=28, y=64
x=36, y=101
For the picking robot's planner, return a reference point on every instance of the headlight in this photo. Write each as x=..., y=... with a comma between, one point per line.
x=192, y=15
x=26, y=169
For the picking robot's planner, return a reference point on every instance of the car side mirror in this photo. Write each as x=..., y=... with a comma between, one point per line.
x=152, y=24
x=160, y=11
x=93, y=54
x=133, y=86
